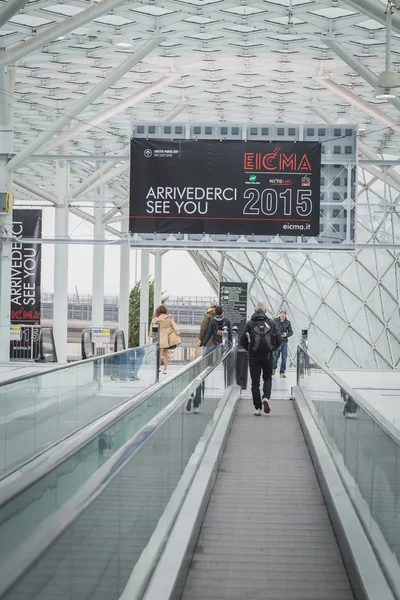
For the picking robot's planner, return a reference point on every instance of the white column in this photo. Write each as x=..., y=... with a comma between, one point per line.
x=144, y=297
x=124, y=272
x=157, y=277
x=61, y=230
x=98, y=259
x=6, y=147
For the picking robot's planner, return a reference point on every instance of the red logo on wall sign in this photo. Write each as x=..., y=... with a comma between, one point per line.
x=305, y=181
x=276, y=161
x=24, y=315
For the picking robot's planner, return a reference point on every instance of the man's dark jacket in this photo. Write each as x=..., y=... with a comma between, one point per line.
x=260, y=315
x=220, y=321
x=285, y=327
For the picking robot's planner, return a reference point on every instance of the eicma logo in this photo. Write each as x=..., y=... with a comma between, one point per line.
x=148, y=153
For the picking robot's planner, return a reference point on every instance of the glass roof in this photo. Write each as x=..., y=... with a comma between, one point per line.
x=238, y=62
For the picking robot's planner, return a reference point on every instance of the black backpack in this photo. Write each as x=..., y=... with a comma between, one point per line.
x=262, y=337
x=218, y=330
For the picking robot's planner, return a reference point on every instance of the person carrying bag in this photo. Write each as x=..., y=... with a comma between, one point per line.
x=168, y=332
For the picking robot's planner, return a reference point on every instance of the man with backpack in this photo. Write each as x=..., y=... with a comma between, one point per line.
x=261, y=337
x=215, y=330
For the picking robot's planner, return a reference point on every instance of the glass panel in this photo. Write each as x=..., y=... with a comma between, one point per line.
x=48, y=494
x=96, y=554
x=367, y=458
x=39, y=411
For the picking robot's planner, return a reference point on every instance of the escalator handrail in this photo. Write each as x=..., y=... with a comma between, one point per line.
x=53, y=457
x=372, y=412
x=24, y=557
x=69, y=366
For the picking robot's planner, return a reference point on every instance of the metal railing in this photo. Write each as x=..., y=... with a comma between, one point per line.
x=26, y=561
x=365, y=447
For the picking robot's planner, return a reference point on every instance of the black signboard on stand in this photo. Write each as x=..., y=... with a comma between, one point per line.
x=225, y=187
x=233, y=299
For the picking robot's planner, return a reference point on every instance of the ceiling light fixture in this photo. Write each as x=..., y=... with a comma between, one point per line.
x=388, y=80
x=122, y=41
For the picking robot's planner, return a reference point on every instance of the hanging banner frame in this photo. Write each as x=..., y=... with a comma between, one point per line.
x=225, y=187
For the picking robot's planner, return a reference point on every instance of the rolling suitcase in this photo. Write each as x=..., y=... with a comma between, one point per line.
x=242, y=368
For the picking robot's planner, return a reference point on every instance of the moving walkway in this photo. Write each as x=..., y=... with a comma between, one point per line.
x=222, y=505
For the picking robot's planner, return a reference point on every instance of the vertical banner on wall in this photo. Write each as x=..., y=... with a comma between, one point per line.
x=233, y=299
x=26, y=283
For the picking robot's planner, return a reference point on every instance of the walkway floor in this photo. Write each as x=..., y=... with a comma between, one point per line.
x=266, y=533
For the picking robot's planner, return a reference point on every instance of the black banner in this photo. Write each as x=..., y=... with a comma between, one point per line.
x=233, y=299
x=237, y=187
x=26, y=268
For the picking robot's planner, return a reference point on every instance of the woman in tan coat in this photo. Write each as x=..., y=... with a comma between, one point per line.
x=168, y=332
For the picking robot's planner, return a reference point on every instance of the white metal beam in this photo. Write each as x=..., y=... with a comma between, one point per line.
x=6, y=144
x=393, y=177
x=60, y=29
x=79, y=106
x=374, y=10
x=124, y=281
x=34, y=189
x=61, y=251
x=9, y=9
x=144, y=297
x=80, y=190
x=91, y=181
x=177, y=110
x=98, y=260
x=157, y=278
x=113, y=110
x=355, y=64
x=355, y=100
x=115, y=172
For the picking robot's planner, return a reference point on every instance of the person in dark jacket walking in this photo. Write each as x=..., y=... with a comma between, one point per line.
x=208, y=315
x=261, y=336
x=286, y=331
x=215, y=329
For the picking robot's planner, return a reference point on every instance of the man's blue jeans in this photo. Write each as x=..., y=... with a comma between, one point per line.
x=209, y=349
x=282, y=351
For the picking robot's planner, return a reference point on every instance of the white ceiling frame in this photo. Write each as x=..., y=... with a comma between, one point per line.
x=79, y=106
x=374, y=10
x=9, y=9
x=34, y=189
x=393, y=178
x=111, y=111
x=355, y=64
x=109, y=171
x=52, y=33
x=358, y=102
x=96, y=176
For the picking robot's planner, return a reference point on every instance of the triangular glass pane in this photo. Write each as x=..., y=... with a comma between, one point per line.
x=374, y=301
x=390, y=281
x=368, y=282
x=334, y=299
x=359, y=324
x=352, y=305
x=390, y=306
x=347, y=344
